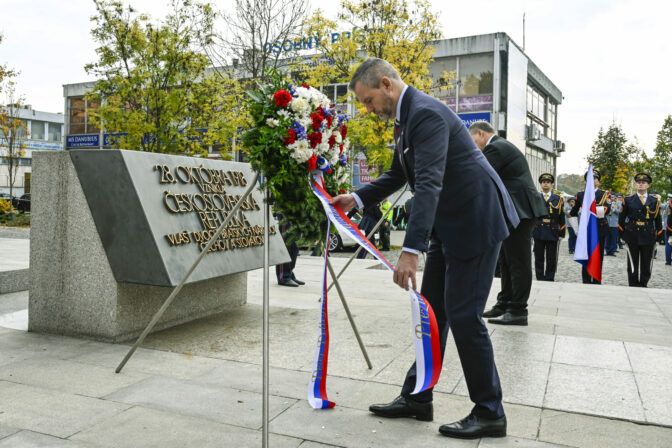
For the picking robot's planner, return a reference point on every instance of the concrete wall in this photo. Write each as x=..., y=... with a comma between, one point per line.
x=72, y=288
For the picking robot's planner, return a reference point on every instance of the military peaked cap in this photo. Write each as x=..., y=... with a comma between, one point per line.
x=546, y=176
x=643, y=177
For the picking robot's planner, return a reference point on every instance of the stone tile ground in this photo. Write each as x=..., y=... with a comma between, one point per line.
x=593, y=369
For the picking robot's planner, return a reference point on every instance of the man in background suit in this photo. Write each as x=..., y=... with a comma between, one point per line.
x=461, y=213
x=516, y=253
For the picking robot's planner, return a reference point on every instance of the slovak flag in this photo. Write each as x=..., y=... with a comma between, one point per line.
x=587, y=251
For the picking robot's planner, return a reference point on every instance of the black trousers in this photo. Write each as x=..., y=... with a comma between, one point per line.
x=640, y=259
x=515, y=263
x=285, y=271
x=384, y=230
x=602, y=233
x=457, y=291
x=545, y=253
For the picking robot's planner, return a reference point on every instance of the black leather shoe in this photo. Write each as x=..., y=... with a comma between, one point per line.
x=493, y=312
x=510, y=319
x=473, y=427
x=289, y=282
x=405, y=407
x=299, y=282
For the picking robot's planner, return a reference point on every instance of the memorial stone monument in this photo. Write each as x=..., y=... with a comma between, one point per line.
x=113, y=231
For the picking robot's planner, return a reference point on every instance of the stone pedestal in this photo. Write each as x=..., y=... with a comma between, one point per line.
x=73, y=290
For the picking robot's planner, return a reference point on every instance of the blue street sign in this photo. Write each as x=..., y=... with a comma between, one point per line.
x=468, y=119
x=82, y=141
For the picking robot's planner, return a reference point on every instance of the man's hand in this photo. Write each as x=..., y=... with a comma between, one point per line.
x=345, y=201
x=405, y=270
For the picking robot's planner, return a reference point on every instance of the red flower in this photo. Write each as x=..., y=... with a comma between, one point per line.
x=315, y=138
x=344, y=131
x=303, y=84
x=282, y=98
x=330, y=121
x=341, y=149
x=291, y=137
x=332, y=140
x=312, y=162
x=317, y=118
x=342, y=191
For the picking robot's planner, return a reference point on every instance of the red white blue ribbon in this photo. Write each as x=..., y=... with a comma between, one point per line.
x=425, y=329
x=317, y=388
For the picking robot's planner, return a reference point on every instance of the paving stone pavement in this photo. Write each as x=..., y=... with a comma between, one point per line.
x=593, y=369
x=614, y=270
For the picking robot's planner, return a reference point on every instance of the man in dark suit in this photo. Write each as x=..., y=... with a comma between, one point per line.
x=459, y=217
x=603, y=208
x=641, y=225
x=548, y=230
x=515, y=260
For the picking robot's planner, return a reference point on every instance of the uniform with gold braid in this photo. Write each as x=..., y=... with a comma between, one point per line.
x=641, y=224
x=547, y=231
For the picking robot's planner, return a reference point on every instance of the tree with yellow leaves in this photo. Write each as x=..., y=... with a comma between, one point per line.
x=395, y=30
x=13, y=133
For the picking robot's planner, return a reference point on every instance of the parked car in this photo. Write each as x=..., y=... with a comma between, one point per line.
x=338, y=241
x=22, y=203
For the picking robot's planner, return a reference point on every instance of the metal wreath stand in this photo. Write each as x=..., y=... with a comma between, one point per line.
x=265, y=362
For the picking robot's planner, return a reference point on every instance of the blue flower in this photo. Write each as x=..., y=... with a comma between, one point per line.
x=300, y=131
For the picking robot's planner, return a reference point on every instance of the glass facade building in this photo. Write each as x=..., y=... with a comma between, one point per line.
x=485, y=77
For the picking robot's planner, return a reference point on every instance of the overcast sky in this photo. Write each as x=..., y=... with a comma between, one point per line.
x=612, y=60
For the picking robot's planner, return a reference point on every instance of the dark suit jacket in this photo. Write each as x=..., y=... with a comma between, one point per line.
x=457, y=193
x=510, y=163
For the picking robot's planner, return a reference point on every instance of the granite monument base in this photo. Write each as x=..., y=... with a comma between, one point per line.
x=72, y=287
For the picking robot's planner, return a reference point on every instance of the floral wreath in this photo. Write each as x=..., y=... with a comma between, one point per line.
x=297, y=133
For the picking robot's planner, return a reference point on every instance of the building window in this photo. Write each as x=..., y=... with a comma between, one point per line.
x=336, y=93
x=37, y=130
x=444, y=80
x=54, y=132
x=475, y=74
x=80, y=120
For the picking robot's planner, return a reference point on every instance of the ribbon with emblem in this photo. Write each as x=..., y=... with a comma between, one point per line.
x=425, y=330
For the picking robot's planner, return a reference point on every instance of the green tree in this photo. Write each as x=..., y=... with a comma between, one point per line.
x=395, y=30
x=155, y=88
x=611, y=152
x=660, y=165
x=13, y=133
x=570, y=183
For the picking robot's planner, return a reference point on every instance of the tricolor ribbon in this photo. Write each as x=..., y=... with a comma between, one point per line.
x=425, y=329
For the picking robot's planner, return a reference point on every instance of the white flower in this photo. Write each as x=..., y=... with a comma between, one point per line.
x=307, y=123
x=299, y=105
x=301, y=150
x=283, y=113
x=333, y=157
x=322, y=148
x=272, y=122
x=339, y=138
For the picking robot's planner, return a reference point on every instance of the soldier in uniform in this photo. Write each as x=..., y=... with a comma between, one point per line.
x=547, y=230
x=641, y=225
x=602, y=225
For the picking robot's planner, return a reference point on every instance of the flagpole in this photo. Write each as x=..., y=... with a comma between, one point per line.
x=265, y=366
